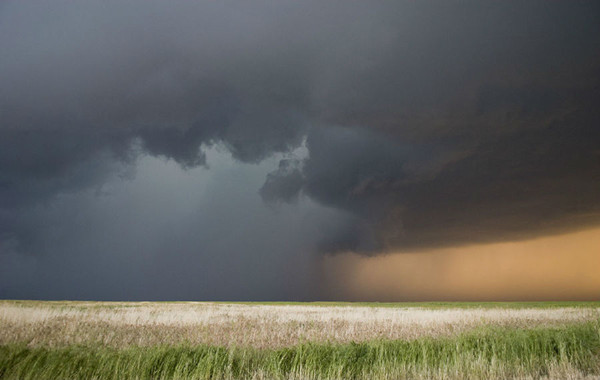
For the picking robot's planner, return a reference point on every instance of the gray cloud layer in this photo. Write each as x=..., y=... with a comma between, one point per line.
x=426, y=123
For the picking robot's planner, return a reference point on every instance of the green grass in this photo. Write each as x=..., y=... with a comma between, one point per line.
x=489, y=352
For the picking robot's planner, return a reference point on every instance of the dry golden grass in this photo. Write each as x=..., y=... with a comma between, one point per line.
x=264, y=326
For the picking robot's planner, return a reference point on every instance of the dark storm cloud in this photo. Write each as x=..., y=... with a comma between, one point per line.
x=426, y=123
x=483, y=127
x=537, y=174
x=170, y=78
x=534, y=182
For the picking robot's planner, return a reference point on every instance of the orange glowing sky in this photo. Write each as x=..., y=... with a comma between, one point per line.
x=563, y=267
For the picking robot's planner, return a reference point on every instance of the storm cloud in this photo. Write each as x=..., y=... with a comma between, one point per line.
x=395, y=125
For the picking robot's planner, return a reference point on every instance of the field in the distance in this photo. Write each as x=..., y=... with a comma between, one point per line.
x=196, y=340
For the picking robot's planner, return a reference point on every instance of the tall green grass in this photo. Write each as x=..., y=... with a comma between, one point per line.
x=490, y=352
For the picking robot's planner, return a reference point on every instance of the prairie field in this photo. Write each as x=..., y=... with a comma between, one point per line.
x=203, y=340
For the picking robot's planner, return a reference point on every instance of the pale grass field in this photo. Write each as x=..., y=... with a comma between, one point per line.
x=121, y=325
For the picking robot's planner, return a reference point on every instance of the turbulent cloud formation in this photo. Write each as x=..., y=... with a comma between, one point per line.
x=424, y=123
x=483, y=127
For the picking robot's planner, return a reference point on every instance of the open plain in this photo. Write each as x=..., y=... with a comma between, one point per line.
x=125, y=324
x=322, y=340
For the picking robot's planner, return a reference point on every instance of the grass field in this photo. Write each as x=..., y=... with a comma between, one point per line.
x=189, y=340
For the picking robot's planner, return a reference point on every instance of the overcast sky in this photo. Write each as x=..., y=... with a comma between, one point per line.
x=219, y=150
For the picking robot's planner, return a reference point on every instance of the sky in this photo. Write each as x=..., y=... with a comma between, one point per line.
x=308, y=150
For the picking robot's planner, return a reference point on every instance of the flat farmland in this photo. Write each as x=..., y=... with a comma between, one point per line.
x=203, y=340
